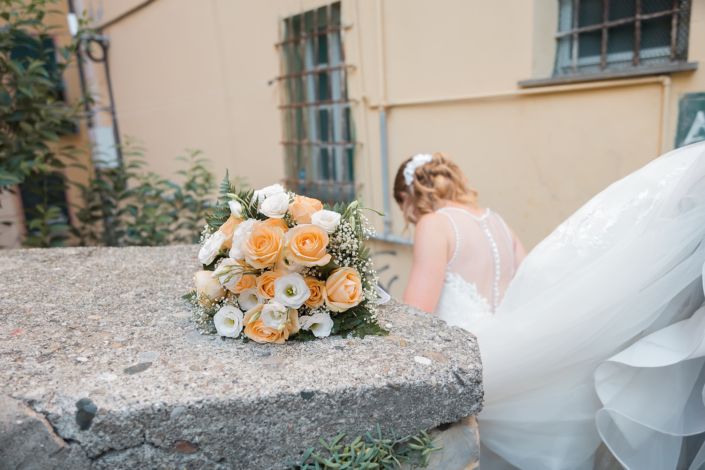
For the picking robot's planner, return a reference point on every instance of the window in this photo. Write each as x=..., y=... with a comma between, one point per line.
x=28, y=48
x=44, y=190
x=42, y=47
x=318, y=139
x=599, y=35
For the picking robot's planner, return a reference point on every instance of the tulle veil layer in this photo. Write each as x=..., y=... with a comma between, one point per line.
x=601, y=335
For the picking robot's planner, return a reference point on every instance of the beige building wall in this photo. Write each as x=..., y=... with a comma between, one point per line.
x=190, y=74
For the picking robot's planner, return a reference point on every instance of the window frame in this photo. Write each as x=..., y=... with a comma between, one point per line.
x=316, y=164
x=568, y=63
x=589, y=70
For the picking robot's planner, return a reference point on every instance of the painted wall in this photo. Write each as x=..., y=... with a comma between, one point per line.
x=197, y=75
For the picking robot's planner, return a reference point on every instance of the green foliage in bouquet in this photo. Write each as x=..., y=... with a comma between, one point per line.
x=371, y=451
x=228, y=191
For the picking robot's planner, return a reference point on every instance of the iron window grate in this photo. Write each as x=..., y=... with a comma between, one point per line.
x=599, y=35
x=318, y=140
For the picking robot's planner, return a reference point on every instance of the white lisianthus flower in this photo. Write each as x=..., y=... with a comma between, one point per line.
x=229, y=272
x=235, y=208
x=264, y=193
x=211, y=247
x=249, y=299
x=274, y=315
x=291, y=290
x=275, y=206
x=320, y=324
x=327, y=220
x=240, y=236
x=228, y=321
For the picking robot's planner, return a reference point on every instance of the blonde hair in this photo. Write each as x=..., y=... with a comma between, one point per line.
x=434, y=183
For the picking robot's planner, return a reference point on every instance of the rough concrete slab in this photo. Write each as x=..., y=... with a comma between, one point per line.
x=102, y=368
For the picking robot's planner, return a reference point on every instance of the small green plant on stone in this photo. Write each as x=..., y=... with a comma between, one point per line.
x=371, y=451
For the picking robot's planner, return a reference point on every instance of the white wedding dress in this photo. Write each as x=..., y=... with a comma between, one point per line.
x=600, y=336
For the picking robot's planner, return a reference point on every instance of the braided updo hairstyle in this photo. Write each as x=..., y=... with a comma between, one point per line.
x=437, y=181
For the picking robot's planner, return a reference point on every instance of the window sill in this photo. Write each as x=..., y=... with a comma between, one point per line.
x=610, y=75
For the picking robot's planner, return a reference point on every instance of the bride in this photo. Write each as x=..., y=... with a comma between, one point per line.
x=600, y=335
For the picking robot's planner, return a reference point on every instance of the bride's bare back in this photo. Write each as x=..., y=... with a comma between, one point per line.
x=471, y=252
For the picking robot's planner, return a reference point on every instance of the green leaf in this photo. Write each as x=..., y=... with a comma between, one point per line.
x=9, y=179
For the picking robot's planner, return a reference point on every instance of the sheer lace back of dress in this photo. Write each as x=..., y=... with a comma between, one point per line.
x=483, y=253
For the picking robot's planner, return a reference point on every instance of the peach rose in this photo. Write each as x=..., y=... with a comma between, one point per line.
x=318, y=292
x=247, y=281
x=302, y=207
x=264, y=246
x=280, y=223
x=257, y=331
x=306, y=245
x=265, y=283
x=343, y=289
x=228, y=228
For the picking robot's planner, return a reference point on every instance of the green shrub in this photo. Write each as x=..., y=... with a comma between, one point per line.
x=129, y=205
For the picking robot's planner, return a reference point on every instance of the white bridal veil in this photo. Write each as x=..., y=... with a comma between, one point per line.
x=601, y=336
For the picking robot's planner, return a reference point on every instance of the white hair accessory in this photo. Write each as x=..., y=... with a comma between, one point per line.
x=420, y=159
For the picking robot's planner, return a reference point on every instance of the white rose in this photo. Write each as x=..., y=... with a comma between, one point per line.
x=291, y=290
x=264, y=193
x=287, y=266
x=208, y=288
x=320, y=324
x=211, y=247
x=274, y=315
x=240, y=236
x=235, y=208
x=275, y=206
x=327, y=220
x=229, y=272
x=228, y=321
x=249, y=299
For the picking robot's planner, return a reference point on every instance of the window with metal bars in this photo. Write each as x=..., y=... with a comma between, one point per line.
x=318, y=139
x=609, y=35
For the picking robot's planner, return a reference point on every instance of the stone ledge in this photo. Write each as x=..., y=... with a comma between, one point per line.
x=99, y=342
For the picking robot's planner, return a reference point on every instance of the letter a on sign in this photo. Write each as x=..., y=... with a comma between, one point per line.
x=697, y=129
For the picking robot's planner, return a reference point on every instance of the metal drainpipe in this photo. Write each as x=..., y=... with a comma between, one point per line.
x=384, y=162
x=82, y=75
x=383, y=131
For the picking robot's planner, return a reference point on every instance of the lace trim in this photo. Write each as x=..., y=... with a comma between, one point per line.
x=455, y=280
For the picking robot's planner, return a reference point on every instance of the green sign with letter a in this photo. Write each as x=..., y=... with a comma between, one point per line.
x=691, y=119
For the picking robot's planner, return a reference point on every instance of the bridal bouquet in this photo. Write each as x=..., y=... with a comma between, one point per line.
x=279, y=266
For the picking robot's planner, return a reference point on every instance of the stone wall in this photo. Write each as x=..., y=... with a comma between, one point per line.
x=102, y=368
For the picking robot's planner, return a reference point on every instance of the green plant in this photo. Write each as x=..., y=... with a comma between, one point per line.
x=47, y=223
x=130, y=205
x=371, y=451
x=103, y=211
x=191, y=199
x=34, y=116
